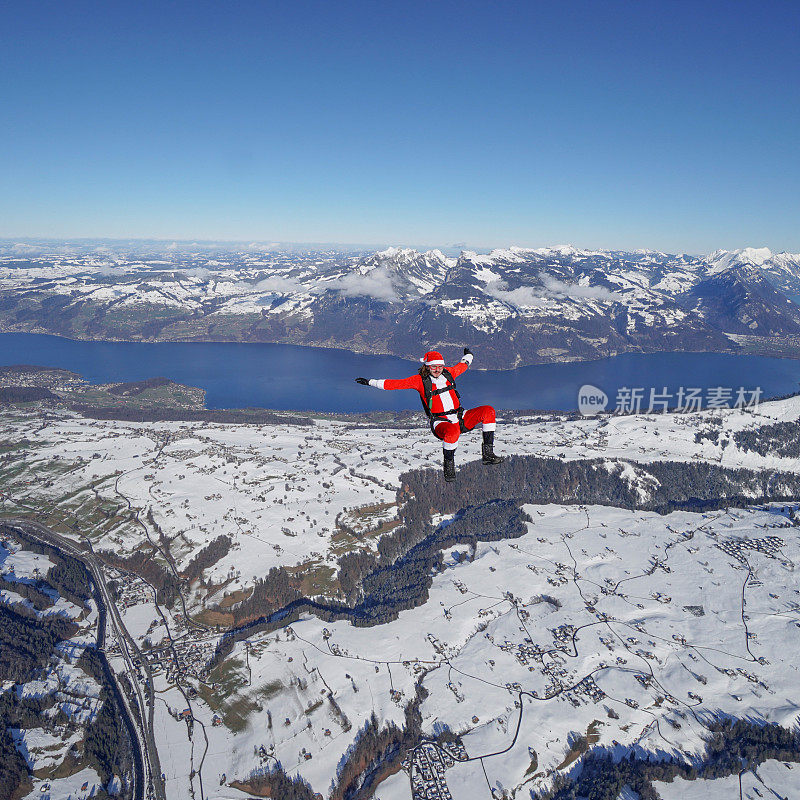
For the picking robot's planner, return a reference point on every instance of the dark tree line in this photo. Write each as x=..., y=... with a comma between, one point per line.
x=24, y=394
x=27, y=642
x=105, y=747
x=109, y=738
x=781, y=439
x=214, y=551
x=733, y=745
x=70, y=579
x=249, y=416
x=277, y=589
x=277, y=784
x=530, y=479
x=30, y=591
x=737, y=743
x=14, y=781
x=386, y=587
x=68, y=576
x=397, y=583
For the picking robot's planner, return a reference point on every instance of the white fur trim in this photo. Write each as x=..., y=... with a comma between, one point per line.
x=378, y=384
x=489, y=426
x=449, y=445
x=433, y=363
x=467, y=358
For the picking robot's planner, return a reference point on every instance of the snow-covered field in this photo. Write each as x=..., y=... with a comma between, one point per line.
x=80, y=786
x=627, y=627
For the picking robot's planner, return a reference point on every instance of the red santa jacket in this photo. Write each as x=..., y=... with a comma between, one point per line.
x=444, y=402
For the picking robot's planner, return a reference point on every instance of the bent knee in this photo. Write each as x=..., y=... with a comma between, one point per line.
x=447, y=432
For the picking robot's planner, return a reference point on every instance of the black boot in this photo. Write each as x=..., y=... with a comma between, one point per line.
x=487, y=451
x=449, y=465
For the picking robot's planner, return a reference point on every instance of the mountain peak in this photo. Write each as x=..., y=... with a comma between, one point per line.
x=748, y=256
x=408, y=255
x=397, y=252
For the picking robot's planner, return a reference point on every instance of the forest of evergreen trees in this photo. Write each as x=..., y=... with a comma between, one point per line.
x=384, y=589
x=781, y=439
x=732, y=745
x=531, y=479
x=24, y=394
x=275, y=783
x=27, y=642
x=30, y=591
x=107, y=744
x=14, y=780
x=67, y=576
x=207, y=557
x=70, y=579
x=275, y=590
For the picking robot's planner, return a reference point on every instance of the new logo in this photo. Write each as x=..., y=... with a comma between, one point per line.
x=591, y=400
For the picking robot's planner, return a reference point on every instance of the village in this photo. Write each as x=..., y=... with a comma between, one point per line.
x=426, y=768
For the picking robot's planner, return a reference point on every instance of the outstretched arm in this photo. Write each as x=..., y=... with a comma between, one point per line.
x=414, y=382
x=462, y=366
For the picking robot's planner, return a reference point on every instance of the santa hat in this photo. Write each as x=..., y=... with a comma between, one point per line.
x=431, y=358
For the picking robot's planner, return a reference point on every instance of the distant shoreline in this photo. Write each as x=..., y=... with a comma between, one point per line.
x=766, y=346
x=217, y=382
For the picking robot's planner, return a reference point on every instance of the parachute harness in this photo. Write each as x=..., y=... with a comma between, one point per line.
x=427, y=403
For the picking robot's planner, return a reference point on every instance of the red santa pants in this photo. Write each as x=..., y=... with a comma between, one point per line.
x=449, y=432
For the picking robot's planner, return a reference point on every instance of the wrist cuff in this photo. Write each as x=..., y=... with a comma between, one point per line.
x=378, y=384
x=467, y=358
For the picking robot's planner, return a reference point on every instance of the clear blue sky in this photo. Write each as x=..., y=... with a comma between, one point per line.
x=670, y=124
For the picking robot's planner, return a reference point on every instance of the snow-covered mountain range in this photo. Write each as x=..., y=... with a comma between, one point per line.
x=520, y=306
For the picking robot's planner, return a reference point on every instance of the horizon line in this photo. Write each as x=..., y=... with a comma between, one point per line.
x=278, y=244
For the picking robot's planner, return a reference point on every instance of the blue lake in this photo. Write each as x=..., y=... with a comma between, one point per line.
x=304, y=378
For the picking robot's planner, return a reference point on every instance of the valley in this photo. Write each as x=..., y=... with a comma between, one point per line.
x=638, y=626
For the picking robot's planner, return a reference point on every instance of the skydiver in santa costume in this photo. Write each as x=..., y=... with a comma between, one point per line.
x=442, y=403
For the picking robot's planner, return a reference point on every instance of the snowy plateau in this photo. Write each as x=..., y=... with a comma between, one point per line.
x=595, y=627
x=520, y=306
